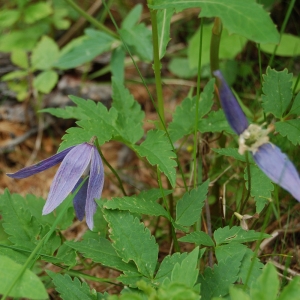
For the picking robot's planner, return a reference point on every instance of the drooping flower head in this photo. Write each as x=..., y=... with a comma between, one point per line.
x=253, y=138
x=76, y=163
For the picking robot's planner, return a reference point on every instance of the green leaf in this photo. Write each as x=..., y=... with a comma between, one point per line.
x=261, y=187
x=296, y=106
x=45, y=81
x=128, y=128
x=72, y=289
x=117, y=63
x=29, y=285
x=167, y=265
x=291, y=291
x=144, y=203
x=179, y=66
x=233, y=152
x=198, y=238
x=158, y=151
x=139, y=39
x=289, y=129
x=231, y=45
x=237, y=293
x=20, y=58
x=132, y=278
x=101, y=251
x=236, y=234
x=45, y=54
x=37, y=11
x=14, y=75
x=188, y=209
x=8, y=17
x=133, y=17
x=267, y=285
x=288, y=46
x=230, y=252
x=184, y=116
x=132, y=241
x=187, y=272
x=85, y=49
x=178, y=291
x=277, y=91
x=163, y=29
x=215, y=122
x=251, y=21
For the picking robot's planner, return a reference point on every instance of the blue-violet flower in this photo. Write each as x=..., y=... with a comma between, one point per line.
x=77, y=162
x=253, y=138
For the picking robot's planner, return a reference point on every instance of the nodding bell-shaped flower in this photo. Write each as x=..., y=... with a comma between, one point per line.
x=253, y=138
x=76, y=163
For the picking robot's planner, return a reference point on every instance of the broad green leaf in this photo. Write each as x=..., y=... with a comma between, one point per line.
x=188, y=209
x=158, y=151
x=8, y=17
x=267, y=285
x=230, y=46
x=117, y=65
x=72, y=289
x=179, y=66
x=144, y=203
x=167, y=265
x=290, y=129
x=133, y=17
x=215, y=122
x=184, y=116
x=291, y=291
x=45, y=81
x=296, y=106
x=45, y=54
x=198, y=238
x=85, y=50
x=163, y=29
x=29, y=286
x=176, y=290
x=230, y=252
x=250, y=21
x=261, y=187
x=289, y=46
x=132, y=241
x=36, y=11
x=236, y=234
x=138, y=38
x=238, y=294
x=67, y=255
x=216, y=282
x=187, y=272
x=128, y=125
x=20, y=58
x=277, y=91
x=233, y=152
x=101, y=251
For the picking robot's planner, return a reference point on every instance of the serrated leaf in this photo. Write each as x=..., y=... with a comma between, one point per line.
x=45, y=81
x=236, y=234
x=139, y=40
x=127, y=128
x=261, y=187
x=267, y=285
x=198, y=238
x=163, y=30
x=251, y=20
x=183, y=122
x=277, y=91
x=289, y=129
x=167, y=265
x=215, y=122
x=186, y=272
x=144, y=203
x=233, y=152
x=45, y=54
x=291, y=291
x=188, y=209
x=29, y=286
x=230, y=252
x=101, y=251
x=158, y=151
x=132, y=241
x=295, y=107
x=72, y=289
x=68, y=112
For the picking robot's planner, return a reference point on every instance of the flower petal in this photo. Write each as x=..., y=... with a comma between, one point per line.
x=80, y=199
x=41, y=166
x=68, y=174
x=278, y=168
x=232, y=109
x=95, y=187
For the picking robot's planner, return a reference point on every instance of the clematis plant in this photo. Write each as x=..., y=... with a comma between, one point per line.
x=77, y=162
x=253, y=138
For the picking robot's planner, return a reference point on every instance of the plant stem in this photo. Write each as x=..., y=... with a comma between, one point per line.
x=92, y=20
x=249, y=183
x=215, y=44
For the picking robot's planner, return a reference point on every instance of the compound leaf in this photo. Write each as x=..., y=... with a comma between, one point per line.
x=290, y=129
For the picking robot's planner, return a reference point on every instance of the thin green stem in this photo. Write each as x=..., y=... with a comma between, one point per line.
x=34, y=254
x=296, y=84
x=215, y=44
x=249, y=183
x=110, y=167
x=259, y=64
x=282, y=29
x=92, y=20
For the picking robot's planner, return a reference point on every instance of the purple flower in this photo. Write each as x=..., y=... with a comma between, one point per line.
x=77, y=162
x=267, y=156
